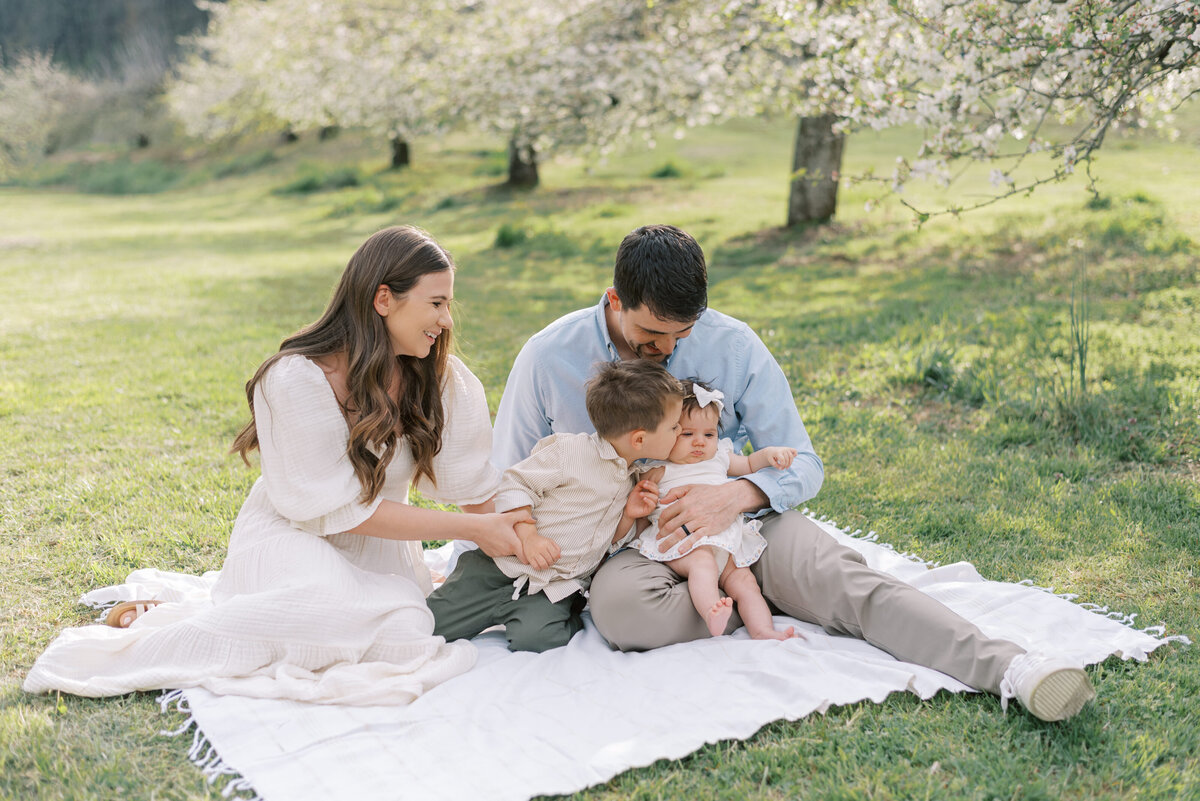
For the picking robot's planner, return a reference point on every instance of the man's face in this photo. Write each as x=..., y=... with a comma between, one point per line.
x=649, y=337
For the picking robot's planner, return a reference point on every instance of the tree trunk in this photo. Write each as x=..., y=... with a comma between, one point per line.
x=399, y=153
x=816, y=167
x=522, y=166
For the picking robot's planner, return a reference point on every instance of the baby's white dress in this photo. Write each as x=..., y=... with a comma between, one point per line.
x=741, y=540
x=301, y=609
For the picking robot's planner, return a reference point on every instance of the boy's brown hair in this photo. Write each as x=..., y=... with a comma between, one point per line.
x=627, y=396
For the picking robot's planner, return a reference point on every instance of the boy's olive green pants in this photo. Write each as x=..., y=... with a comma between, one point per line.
x=478, y=595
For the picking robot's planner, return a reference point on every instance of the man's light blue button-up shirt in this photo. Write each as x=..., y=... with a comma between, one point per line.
x=545, y=393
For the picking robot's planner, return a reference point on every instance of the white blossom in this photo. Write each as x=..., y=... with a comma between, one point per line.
x=978, y=75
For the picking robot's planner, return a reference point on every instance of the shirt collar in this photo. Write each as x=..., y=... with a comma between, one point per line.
x=602, y=327
x=608, y=452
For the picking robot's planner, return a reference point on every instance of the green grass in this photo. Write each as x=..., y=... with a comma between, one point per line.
x=317, y=178
x=928, y=366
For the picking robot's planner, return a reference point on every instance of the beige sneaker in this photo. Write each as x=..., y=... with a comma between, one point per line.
x=1050, y=687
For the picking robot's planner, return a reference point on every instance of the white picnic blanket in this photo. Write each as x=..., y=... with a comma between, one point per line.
x=520, y=725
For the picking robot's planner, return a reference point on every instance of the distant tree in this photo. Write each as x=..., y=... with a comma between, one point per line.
x=220, y=85
x=583, y=75
x=34, y=92
x=543, y=74
x=318, y=64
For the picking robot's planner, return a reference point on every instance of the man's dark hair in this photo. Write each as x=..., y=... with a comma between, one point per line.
x=626, y=396
x=662, y=267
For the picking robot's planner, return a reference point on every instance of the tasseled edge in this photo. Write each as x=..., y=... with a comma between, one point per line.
x=1159, y=631
x=102, y=606
x=871, y=537
x=202, y=753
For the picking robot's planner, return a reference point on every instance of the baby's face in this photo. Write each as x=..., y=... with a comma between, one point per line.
x=697, y=440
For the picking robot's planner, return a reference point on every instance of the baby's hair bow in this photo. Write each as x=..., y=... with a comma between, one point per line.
x=707, y=396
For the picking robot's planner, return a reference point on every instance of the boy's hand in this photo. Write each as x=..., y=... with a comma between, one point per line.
x=498, y=534
x=643, y=499
x=779, y=457
x=541, y=552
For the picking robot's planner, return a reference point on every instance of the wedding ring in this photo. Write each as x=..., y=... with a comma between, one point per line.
x=685, y=529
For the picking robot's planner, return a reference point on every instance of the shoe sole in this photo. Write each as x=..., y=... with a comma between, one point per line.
x=1061, y=695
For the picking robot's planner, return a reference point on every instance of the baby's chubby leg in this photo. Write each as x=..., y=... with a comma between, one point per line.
x=699, y=567
x=739, y=582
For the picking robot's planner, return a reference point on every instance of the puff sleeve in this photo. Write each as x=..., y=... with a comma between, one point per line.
x=302, y=437
x=462, y=467
x=724, y=451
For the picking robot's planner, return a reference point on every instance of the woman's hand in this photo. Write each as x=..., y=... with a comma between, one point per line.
x=496, y=534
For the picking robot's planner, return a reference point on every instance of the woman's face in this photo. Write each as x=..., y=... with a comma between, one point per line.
x=417, y=318
x=698, y=436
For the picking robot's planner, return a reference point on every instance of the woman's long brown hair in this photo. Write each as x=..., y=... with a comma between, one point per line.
x=398, y=257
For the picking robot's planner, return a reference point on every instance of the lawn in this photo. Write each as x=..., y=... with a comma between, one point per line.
x=932, y=368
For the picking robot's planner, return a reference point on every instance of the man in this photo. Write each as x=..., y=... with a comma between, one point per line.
x=657, y=310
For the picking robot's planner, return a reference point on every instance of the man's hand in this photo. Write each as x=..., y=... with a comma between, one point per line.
x=643, y=499
x=704, y=509
x=540, y=552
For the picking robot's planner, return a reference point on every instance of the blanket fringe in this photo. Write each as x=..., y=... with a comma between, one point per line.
x=101, y=606
x=872, y=537
x=1128, y=620
x=202, y=752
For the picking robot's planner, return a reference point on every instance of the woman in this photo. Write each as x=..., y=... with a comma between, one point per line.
x=322, y=594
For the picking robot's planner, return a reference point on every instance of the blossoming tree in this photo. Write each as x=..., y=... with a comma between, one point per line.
x=1030, y=87
x=33, y=93
x=382, y=67
x=586, y=75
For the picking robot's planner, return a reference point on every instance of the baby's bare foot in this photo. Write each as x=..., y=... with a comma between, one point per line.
x=718, y=616
x=772, y=634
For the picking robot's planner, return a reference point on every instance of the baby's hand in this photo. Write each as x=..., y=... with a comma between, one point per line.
x=643, y=499
x=780, y=457
x=541, y=551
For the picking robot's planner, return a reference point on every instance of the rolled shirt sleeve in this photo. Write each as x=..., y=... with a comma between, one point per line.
x=526, y=483
x=766, y=414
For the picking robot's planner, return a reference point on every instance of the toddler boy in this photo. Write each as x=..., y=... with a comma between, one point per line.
x=578, y=488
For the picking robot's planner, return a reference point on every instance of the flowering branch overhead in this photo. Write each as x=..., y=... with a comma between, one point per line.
x=979, y=76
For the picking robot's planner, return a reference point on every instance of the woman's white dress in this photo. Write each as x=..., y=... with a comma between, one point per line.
x=301, y=609
x=741, y=539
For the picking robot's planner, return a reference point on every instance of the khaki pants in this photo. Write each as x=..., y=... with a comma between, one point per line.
x=638, y=604
x=478, y=596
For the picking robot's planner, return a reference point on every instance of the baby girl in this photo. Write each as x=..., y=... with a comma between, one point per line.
x=718, y=561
